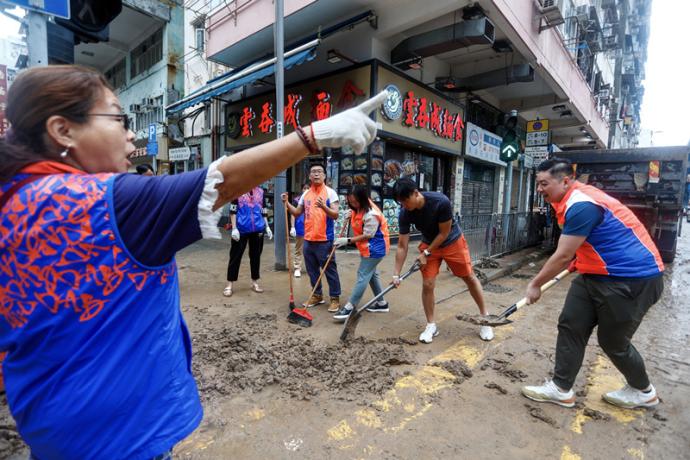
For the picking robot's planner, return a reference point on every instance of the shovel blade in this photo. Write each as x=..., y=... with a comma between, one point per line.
x=489, y=320
x=350, y=324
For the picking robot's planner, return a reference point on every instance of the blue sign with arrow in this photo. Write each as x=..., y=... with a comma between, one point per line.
x=59, y=8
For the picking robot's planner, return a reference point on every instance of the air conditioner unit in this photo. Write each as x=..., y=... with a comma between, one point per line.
x=135, y=108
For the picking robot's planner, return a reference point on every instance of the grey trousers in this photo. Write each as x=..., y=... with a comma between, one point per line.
x=617, y=308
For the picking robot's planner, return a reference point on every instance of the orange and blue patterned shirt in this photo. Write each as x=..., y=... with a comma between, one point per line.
x=98, y=354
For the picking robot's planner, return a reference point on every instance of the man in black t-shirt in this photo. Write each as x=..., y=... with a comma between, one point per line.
x=442, y=240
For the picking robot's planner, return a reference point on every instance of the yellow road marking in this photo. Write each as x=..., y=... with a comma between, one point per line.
x=603, y=378
x=637, y=453
x=255, y=414
x=410, y=397
x=568, y=454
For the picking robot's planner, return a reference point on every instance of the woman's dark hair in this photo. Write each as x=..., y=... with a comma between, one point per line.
x=37, y=94
x=362, y=196
x=404, y=188
x=143, y=169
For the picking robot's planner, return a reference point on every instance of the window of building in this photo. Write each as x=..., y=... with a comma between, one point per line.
x=147, y=54
x=152, y=112
x=117, y=74
x=200, y=35
x=199, y=25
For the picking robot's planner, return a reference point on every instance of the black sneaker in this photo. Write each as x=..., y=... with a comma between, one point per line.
x=379, y=308
x=343, y=313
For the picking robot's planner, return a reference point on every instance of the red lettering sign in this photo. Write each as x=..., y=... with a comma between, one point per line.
x=448, y=124
x=435, y=119
x=292, y=110
x=459, y=126
x=246, y=121
x=409, y=109
x=267, y=122
x=322, y=106
x=422, y=119
x=349, y=94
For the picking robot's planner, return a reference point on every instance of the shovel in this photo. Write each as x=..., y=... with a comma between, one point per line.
x=502, y=319
x=352, y=320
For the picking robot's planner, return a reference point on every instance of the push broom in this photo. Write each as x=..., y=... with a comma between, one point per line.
x=298, y=315
x=301, y=317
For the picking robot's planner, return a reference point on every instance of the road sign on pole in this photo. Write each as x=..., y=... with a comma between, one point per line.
x=59, y=8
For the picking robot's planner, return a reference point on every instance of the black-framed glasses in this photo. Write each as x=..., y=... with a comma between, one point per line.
x=123, y=118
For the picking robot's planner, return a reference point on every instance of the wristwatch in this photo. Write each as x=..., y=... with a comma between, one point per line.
x=427, y=253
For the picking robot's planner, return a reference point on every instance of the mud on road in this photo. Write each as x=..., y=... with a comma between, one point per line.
x=273, y=390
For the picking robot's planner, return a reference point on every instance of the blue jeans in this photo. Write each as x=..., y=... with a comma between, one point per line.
x=366, y=274
x=315, y=256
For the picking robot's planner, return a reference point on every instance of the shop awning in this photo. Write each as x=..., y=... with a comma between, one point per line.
x=243, y=77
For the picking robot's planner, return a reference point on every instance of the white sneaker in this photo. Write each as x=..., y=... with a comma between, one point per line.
x=486, y=333
x=549, y=392
x=298, y=273
x=630, y=398
x=429, y=333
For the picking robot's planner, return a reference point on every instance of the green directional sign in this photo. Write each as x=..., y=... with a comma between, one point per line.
x=510, y=147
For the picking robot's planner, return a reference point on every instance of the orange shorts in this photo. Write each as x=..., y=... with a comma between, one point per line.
x=456, y=255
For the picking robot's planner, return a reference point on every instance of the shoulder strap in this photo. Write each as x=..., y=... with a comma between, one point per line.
x=15, y=188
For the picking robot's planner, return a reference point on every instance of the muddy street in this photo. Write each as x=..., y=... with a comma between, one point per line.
x=273, y=390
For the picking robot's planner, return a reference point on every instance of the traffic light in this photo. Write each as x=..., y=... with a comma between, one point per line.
x=510, y=146
x=90, y=18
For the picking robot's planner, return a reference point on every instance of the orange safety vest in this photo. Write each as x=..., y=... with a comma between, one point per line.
x=317, y=225
x=619, y=246
x=379, y=244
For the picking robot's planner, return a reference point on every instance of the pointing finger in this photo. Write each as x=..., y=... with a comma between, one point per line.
x=371, y=104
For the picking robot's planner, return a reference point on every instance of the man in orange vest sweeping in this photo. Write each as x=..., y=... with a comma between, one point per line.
x=621, y=278
x=320, y=206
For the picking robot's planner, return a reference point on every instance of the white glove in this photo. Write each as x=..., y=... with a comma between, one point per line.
x=293, y=232
x=340, y=242
x=235, y=234
x=269, y=233
x=352, y=127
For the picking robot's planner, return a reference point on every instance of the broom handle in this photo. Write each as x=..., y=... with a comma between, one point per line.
x=325, y=266
x=287, y=246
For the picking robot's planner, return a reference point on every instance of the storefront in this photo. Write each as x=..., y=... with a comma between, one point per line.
x=420, y=132
x=482, y=172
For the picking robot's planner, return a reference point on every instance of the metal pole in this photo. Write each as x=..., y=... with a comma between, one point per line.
x=37, y=37
x=506, y=204
x=520, y=186
x=509, y=188
x=281, y=178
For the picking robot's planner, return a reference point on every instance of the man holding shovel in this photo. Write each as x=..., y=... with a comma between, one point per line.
x=621, y=278
x=442, y=240
x=320, y=206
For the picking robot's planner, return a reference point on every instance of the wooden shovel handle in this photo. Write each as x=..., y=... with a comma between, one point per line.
x=544, y=287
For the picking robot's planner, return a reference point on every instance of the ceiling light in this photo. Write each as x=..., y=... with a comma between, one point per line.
x=558, y=108
x=333, y=57
x=415, y=63
x=566, y=113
